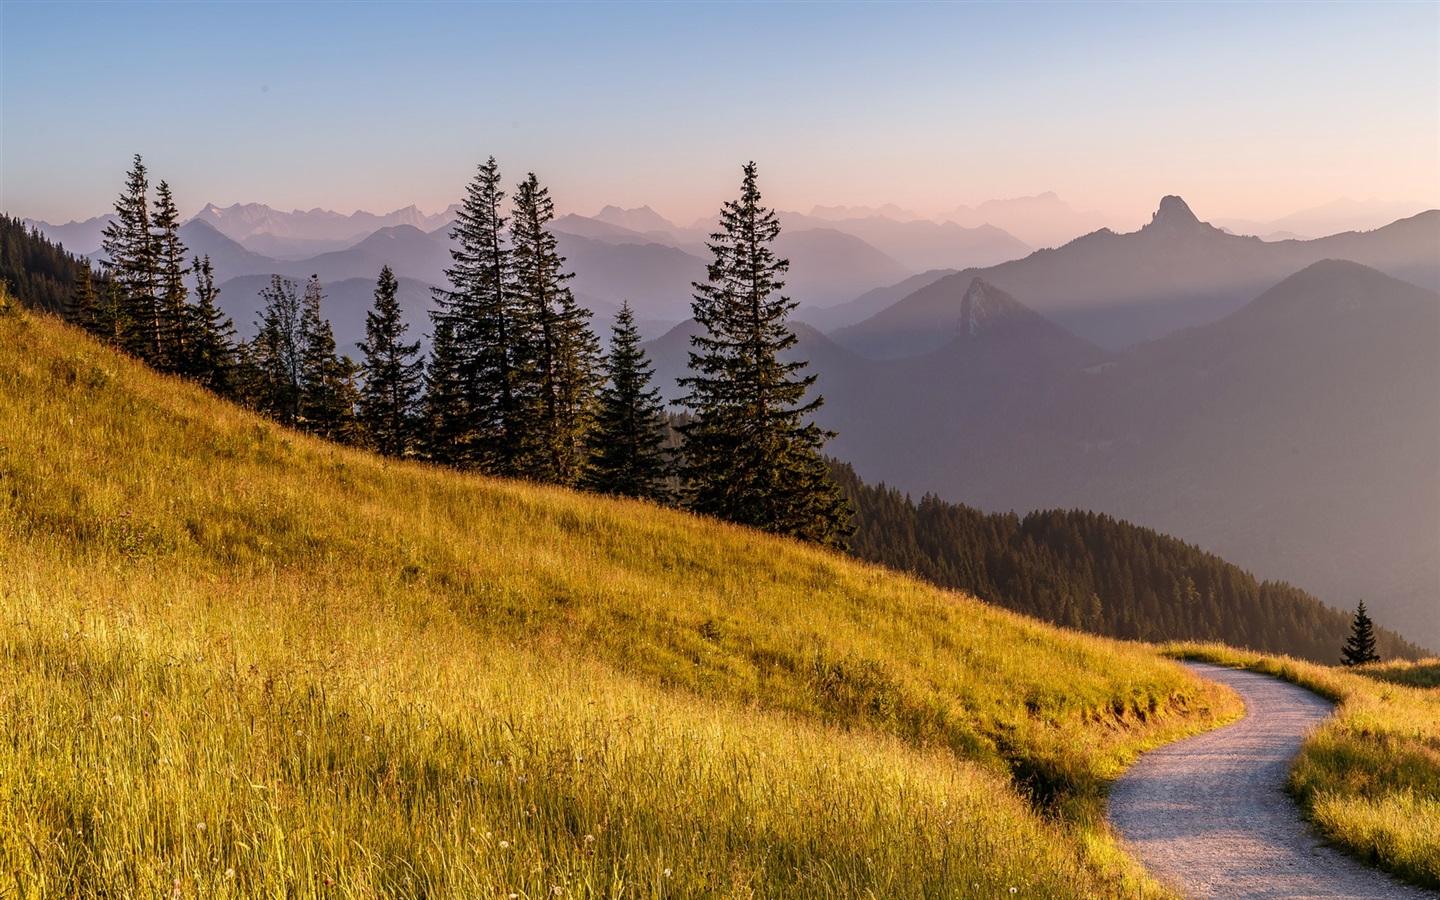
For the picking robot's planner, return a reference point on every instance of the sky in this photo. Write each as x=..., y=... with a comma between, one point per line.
x=1248, y=110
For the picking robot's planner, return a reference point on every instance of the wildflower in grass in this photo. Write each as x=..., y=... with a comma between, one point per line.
x=504, y=845
x=229, y=873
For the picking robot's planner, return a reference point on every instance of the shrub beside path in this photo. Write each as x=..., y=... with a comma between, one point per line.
x=1209, y=815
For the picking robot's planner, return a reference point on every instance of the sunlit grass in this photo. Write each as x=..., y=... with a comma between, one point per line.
x=1369, y=777
x=235, y=661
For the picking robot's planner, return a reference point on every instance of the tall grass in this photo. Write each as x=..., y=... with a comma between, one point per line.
x=237, y=661
x=1368, y=778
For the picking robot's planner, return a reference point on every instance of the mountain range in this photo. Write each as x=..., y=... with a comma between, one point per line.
x=1299, y=436
x=1119, y=289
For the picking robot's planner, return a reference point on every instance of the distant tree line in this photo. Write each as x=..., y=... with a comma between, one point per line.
x=1089, y=571
x=515, y=384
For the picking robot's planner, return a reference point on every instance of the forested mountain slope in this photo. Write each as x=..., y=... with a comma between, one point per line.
x=1096, y=573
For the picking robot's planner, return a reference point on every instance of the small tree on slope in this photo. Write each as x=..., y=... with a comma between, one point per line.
x=392, y=371
x=627, y=457
x=1360, y=646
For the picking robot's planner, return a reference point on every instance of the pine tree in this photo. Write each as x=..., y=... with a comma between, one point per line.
x=277, y=352
x=1360, y=646
x=444, y=413
x=392, y=372
x=753, y=456
x=485, y=328
x=84, y=307
x=130, y=248
x=327, y=381
x=173, y=325
x=561, y=354
x=628, y=456
x=211, y=352
x=113, y=321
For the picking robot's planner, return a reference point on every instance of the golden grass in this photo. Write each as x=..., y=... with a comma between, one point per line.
x=361, y=677
x=1368, y=778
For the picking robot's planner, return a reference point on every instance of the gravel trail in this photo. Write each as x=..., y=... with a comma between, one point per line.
x=1208, y=815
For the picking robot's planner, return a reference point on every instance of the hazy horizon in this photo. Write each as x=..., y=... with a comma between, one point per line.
x=1252, y=112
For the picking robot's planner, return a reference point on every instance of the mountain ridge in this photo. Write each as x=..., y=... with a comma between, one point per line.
x=1119, y=289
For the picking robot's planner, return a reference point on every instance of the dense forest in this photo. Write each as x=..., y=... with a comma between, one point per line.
x=1092, y=572
x=42, y=274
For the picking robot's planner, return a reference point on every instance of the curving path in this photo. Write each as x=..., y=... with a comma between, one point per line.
x=1208, y=814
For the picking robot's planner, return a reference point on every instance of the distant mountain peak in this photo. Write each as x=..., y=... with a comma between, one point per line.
x=984, y=304
x=1173, y=216
x=641, y=219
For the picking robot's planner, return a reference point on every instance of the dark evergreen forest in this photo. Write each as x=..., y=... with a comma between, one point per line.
x=40, y=273
x=1095, y=573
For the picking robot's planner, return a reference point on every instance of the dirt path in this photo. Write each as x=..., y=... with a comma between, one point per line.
x=1208, y=815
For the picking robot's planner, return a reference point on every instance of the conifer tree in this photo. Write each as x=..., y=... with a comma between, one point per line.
x=211, y=354
x=444, y=414
x=277, y=352
x=752, y=453
x=485, y=332
x=84, y=307
x=173, y=325
x=628, y=456
x=130, y=248
x=561, y=351
x=1360, y=646
x=327, y=381
x=113, y=320
x=392, y=372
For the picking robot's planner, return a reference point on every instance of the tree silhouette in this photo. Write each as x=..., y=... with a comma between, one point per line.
x=1360, y=646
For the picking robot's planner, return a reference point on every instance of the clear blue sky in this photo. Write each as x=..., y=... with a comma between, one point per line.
x=1245, y=109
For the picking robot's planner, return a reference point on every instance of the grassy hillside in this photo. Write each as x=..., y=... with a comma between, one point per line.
x=1368, y=779
x=235, y=661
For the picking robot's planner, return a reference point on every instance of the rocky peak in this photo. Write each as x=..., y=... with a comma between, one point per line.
x=1173, y=217
x=982, y=301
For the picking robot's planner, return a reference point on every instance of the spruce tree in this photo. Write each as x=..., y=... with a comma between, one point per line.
x=561, y=354
x=277, y=352
x=752, y=452
x=444, y=415
x=84, y=307
x=211, y=352
x=327, y=381
x=1360, y=646
x=392, y=372
x=628, y=456
x=130, y=248
x=489, y=429
x=173, y=325
x=113, y=321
